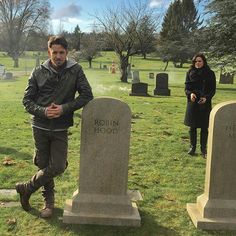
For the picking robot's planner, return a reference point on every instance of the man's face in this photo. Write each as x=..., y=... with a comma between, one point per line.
x=57, y=54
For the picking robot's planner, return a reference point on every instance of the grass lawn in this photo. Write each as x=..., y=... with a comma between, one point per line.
x=159, y=166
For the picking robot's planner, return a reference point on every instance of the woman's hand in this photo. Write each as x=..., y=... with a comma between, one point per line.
x=202, y=100
x=193, y=97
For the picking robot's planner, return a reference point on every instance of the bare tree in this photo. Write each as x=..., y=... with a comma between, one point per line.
x=121, y=27
x=89, y=47
x=17, y=19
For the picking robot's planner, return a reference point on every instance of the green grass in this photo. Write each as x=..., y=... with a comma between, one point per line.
x=159, y=166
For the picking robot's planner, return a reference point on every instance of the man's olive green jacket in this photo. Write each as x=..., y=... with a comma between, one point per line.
x=46, y=86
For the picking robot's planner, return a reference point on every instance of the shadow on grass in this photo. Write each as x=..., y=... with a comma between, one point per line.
x=148, y=227
x=227, y=89
x=15, y=153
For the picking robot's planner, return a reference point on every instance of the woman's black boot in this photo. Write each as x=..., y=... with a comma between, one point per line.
x=193, y=141
x=191, y=151
x=203, y=141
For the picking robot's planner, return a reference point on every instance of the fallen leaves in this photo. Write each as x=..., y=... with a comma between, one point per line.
x=8, y=161
x=12, y=221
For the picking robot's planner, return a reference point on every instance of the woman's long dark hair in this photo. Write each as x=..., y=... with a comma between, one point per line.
x=205, y=65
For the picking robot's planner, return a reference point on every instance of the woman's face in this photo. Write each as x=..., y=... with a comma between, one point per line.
x=199, y=62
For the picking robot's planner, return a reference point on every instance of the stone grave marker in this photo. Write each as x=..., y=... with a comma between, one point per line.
x=215, y=209
x=2, y=70
x=139, y=89
x=151, y=75
x=129, y=74
x=102, y=196
x=37, y=61
x=226, y=78
x=162, y=85
x=8, y=76
x=135, y=77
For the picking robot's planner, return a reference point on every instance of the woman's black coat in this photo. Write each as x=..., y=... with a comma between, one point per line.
x=202, y=82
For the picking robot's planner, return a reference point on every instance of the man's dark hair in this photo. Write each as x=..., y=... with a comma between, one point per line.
x=57, y=40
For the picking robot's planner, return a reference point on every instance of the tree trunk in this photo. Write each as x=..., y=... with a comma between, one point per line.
x=166, y=65
x=16, y=62
x=90, y=63
x=78, y=45
x=123, y=68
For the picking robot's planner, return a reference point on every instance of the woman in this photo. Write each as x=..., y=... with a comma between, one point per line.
x=200, y=86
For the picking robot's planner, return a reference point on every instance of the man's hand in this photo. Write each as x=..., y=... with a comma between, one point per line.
x=53, y=111
x=193, y=97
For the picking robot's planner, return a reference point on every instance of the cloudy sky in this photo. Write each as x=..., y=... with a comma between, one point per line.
x=66, y=14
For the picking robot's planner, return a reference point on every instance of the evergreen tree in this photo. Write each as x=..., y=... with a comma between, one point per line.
x=221, y=33
x=146, y=36
x=77, y=36
x=176, y=42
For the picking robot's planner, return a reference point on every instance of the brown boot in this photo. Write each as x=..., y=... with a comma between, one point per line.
x=47, y=210
x=25, y=194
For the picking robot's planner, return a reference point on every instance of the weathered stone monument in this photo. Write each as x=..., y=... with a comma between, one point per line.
x=162, y=85
x=135, y=77
x=2, y=70
x=139, y=89
x=8, y=76
x=37, y=61
x=102, y=197
x=216, y=207
x=226, y=78
x=151, y=75
x=129, y=74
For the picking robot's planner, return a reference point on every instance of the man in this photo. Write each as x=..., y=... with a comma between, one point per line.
x=50, y=98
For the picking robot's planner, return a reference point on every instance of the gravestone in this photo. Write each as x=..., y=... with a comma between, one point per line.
x=37, y=61
x=151, y=75
x=162, y=85
x=129, y=74
x=135, y=76
x=2, y=70
x=216, y=207
x=8, y=76
x=104, y=153
x=139, y=89
x=226, y=78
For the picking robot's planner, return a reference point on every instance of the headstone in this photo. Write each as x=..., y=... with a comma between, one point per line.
x=104, y=153
x=226, y=78
x=139, y=89
x=2, y=70
x=135, y=76
x=151, y=75
x=216, y=207
x=8, y=76
x=8, y=192
x=129, y=74
x=162, y=85
x=37, y=61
